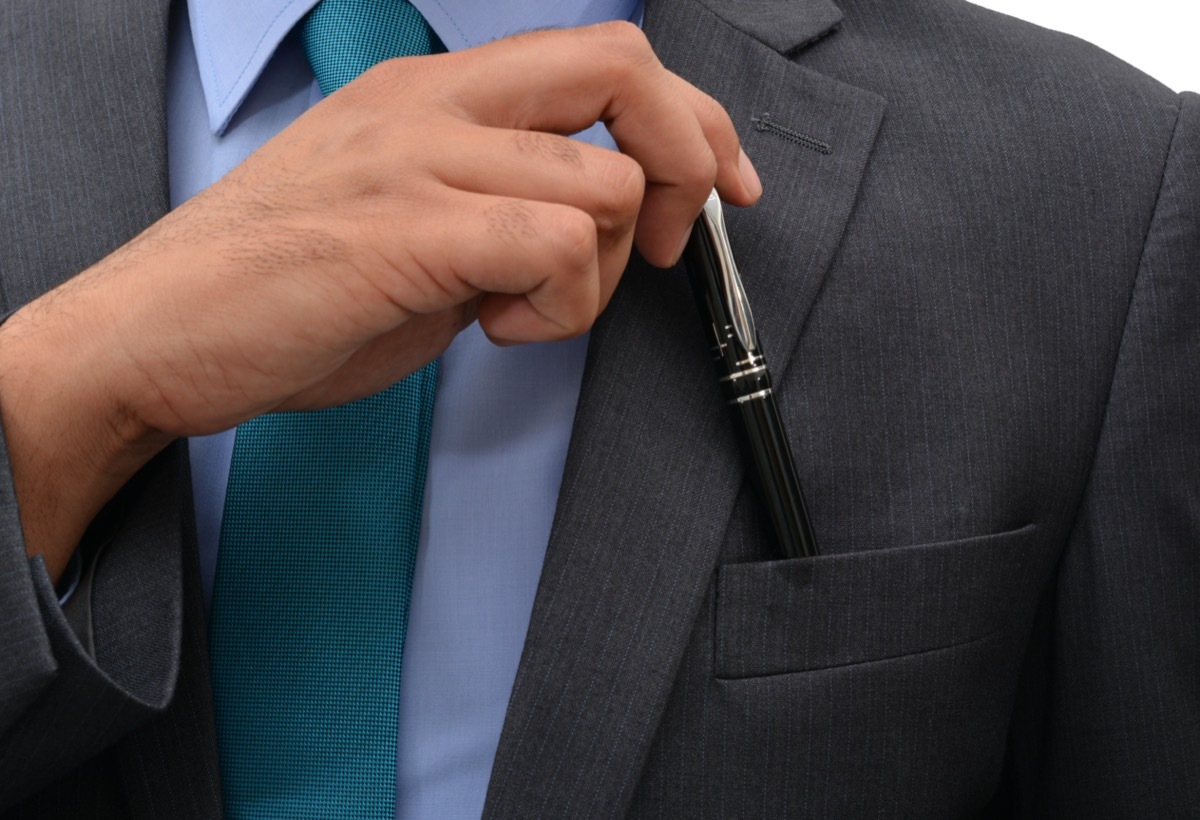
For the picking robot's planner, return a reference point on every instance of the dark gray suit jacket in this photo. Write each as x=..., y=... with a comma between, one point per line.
x=976, y=268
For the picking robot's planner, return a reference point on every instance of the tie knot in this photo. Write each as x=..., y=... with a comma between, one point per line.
x=343, y=38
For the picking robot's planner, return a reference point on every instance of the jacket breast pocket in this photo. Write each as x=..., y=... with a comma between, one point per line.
x=807, y=614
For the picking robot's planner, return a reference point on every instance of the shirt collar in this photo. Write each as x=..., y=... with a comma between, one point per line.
x=234, y=39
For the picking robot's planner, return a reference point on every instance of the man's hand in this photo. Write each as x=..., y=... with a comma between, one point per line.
x=349, y=251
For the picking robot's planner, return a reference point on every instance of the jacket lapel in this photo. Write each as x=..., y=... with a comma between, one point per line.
x=654, y=469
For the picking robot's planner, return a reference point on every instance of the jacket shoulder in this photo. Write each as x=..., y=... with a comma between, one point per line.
x=952, y=54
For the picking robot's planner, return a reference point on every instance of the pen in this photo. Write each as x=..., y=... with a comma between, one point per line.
x=746, y=381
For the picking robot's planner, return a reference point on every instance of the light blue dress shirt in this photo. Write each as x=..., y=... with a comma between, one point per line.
x=501, y=423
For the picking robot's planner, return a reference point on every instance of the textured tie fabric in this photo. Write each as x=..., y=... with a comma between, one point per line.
x=318, y=544
x=343, y=38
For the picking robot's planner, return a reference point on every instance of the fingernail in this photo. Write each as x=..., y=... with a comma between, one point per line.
x=679, y=253
x=749, y=175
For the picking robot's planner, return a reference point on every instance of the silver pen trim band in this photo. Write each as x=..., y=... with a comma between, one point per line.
x=759, y=394
x=762, y=368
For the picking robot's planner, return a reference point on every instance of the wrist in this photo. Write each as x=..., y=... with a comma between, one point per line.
x=72, y=444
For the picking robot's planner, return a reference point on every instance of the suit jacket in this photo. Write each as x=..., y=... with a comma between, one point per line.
x=976, y=272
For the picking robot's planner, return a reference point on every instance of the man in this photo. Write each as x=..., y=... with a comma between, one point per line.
x=975, y=262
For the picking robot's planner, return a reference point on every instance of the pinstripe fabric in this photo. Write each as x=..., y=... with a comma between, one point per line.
x=860, y=716
x=947, y=391
x=986, y=295
x=166, y=767
x=31, y=662
x=1127, y=613
x=90, y=705
x=104, y=55
x=169, y=766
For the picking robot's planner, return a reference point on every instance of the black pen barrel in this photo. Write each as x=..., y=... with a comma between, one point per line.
x=746, y=383
x=775, y=474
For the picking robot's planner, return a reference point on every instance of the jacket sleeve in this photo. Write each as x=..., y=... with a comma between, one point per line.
x=1121, y=730
x=65, y=697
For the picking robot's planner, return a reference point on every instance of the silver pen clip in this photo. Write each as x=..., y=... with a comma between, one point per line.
x=735, y=295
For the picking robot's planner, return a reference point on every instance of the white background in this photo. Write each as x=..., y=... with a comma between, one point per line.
x=1161, y=37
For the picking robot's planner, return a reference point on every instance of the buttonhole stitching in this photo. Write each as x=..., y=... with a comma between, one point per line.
x=763, y=122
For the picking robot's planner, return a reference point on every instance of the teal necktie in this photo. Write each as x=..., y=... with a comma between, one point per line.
x=318, y=544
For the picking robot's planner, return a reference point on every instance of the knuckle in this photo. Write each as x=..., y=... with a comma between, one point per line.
x=574, y=238
x=720, y=125
x=709, y=109
x=552, y=147
x=628, y=181
x=624, y=34
x=628, y=44
x=622, y=186
x=511, y=221
x=398, y=84
x=382, y=77
x=699, y=175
